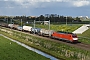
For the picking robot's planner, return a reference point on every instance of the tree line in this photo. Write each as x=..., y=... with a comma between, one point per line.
x=46, y=17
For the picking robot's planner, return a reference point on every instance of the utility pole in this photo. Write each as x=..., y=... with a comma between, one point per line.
x=49, y=24
x=34, y=26
x=7, y=20
x=11, y=20
x=21, y=26
x=66, y=20
x=21, y=22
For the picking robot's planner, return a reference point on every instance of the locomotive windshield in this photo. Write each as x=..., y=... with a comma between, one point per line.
x=74, y=36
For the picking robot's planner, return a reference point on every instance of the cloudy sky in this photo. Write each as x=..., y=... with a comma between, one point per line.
x=38, y=7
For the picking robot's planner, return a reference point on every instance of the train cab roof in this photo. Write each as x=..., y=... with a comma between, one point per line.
x=63, y=32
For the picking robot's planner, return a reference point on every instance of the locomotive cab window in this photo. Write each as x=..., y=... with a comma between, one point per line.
x=74, y=36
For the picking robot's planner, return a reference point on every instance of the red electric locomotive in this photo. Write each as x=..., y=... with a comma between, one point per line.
x=65, y=36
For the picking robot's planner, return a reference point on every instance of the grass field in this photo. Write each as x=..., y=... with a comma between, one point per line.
x=86, y=34
x=12, y=51
x=85, y=37
x=60, y=27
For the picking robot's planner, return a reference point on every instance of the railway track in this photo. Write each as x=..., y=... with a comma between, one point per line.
x=77, y=45
x=83, y=46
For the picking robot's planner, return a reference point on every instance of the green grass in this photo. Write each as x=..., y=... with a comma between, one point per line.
x=61, y=27
x=86, y=34
x=14, y=51
x=85, y=37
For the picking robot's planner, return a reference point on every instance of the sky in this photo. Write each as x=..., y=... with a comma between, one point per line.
x=41, y=7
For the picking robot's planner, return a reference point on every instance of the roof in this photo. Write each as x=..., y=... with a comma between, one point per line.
x=64, y=32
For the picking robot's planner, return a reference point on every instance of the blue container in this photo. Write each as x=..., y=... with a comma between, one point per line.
x=20, y=28
x=35, y=30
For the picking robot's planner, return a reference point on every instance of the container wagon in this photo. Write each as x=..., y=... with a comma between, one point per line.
x=35, y=30
x=15, y=26
x=10, y=25
x=27, y=28
x=4, y=24
x=45, y=32
x=20, y=28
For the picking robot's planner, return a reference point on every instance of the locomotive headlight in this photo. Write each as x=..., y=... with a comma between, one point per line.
x=75, y=38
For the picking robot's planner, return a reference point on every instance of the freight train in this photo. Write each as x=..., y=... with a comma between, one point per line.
x=60, y=35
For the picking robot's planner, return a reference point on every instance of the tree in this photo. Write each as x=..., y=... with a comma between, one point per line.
x=77, y=18
x=41, y=18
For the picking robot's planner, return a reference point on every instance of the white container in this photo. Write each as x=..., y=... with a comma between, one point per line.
x=27, y=28
x=46, y=32
x=10, y=25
